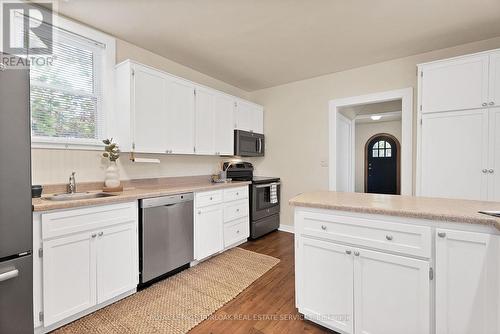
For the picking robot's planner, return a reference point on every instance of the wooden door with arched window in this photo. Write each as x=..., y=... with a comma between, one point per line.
x=382, y=164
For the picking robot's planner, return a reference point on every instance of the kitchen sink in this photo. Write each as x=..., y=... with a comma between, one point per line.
x=76, y=196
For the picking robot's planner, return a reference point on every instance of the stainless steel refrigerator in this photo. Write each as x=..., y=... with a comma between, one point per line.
x=16, y=266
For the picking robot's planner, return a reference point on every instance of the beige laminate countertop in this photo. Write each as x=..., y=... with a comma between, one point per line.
x=133, y=193
x=440, y=209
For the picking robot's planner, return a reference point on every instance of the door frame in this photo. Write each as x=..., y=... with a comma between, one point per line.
x=398, y=160
x=406, y=97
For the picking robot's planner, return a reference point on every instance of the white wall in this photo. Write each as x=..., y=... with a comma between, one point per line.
x=296, y=117
x=54, y=166
x=362, y=133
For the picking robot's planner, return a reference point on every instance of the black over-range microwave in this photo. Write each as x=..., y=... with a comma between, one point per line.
x=248, y=144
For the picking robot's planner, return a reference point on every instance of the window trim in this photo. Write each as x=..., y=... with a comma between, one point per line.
x=106, y=102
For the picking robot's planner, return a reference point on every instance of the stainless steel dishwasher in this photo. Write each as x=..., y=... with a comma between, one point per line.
x=166, y=235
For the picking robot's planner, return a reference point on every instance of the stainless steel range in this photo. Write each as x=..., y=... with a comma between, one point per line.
x=264, y=198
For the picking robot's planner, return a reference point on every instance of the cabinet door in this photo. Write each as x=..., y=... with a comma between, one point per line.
x=117, y=264
x=325, y=283
x=68, y=276
x=224, y=125
x=454, y=154
x=149, y=111
x=208, y=231
x=205, y=119
x=179, y=126
x=249, y=117
x=391, y=294
x=466, y=282
x=494, y=156
x=258, y=120
x=455, y=84
x=494, y=94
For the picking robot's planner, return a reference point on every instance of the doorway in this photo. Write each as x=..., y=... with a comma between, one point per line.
x=382, y=164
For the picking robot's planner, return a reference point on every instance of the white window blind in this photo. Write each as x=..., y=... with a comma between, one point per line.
x=66, y=91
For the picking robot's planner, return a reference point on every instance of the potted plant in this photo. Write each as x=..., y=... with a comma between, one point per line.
x=112, y=176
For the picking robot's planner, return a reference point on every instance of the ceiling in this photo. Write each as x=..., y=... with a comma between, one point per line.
x=371, y=108
x=255, y=44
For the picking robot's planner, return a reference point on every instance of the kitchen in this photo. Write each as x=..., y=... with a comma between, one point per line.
x=158, y=188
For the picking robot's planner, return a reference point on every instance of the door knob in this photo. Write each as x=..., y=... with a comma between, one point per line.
x=441, y=234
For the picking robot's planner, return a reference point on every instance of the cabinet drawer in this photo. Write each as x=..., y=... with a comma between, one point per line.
x=236, y=231
x=395, y=237
x=235, y=210
x=208, y=198
x=56, y=224
x=233, y=194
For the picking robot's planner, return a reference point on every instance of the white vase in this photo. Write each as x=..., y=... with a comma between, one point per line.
x=112, y=176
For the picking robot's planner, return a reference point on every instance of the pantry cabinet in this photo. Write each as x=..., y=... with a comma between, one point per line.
x=467, y=291
x=157, y=112
x=457, y=135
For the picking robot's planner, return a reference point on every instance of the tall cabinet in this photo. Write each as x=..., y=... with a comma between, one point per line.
x=458, y=139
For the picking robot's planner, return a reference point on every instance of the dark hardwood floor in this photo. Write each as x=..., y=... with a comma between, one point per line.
x=268, y=305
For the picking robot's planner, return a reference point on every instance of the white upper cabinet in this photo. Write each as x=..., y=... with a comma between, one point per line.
x=494, y=94
x=205, y=121
x=466, y=282
x=156, y=112
x=224, y=124
x=149, y=108
x=454, y=153
x=249, y=117
x=179, y=127
x=456, y=84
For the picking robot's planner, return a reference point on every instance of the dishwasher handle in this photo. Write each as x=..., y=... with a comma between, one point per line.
x=165, y=200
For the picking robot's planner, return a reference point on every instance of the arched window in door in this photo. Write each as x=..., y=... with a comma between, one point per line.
x=382, y=164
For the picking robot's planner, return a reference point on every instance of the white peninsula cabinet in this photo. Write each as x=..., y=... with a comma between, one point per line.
x=87, y=258
x=157, y=112
x=360, y=273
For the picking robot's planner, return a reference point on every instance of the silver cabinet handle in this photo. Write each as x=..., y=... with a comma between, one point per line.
x=100, y=234
x=485, y=170
x=356, y=253
x=492, y=103
x=441, y=234
x=485, y=104
x=388, y=237
x=8, y=275
x=323, y=227
x=93, y=235
x=491, y=171
x=348, y=252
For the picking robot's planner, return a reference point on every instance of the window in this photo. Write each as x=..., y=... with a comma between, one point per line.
x=382, y=149
x=71, y=93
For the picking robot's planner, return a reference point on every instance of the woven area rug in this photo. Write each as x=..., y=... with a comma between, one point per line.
x=180, y=302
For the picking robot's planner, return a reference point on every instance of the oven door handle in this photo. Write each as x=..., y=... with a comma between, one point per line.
x=267, y=185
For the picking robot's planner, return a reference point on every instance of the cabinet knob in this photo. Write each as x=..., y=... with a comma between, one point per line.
x=388, y=237
x=441, y=234
x=199, y=212
x=237, y=210
x=237, y=194
x=100, y=234
x=93, y=235
x=485, y=170
x=323, y=227
x=348, y=252
x=237, y=231
x=492, y=103
x=485, y=104
x=210, y=198
x=491, y=171
x=356, y=253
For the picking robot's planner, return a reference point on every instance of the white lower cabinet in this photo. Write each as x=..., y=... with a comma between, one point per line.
x=221, y=220
x=391, y=294
x=90, y=256
x=326, y=281
x=208, y=227
x=467, y=282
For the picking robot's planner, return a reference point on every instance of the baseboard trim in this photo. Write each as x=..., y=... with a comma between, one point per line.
x=287, y=228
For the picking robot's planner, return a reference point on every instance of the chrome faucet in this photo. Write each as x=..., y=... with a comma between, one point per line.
x=72, y=184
